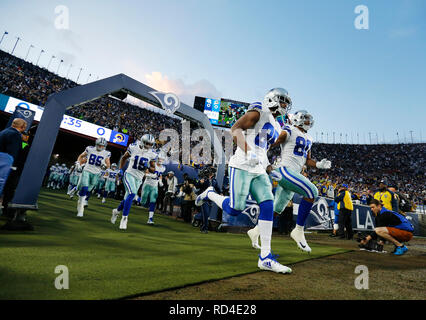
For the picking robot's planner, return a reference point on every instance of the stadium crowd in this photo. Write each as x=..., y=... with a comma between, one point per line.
x=360, y=166
x=363, y=166
x=23, y=80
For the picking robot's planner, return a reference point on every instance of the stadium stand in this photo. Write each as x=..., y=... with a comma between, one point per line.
x=360, y=166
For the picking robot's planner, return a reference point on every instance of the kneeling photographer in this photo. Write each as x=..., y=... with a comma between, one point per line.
x=206, y=179
x=391, y=226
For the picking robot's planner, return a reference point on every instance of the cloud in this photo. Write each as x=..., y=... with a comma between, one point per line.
x=186, y=92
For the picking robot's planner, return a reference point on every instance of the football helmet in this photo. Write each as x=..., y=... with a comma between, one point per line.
x=114, y=166
x=101, y=144
x=277, y=99
x=303, y=119
x=147, y=139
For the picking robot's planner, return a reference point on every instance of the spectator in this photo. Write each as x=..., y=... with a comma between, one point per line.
x=386, y=196
x=345, y=207
x=390, y=226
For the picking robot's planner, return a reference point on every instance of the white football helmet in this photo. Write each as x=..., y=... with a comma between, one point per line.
x=277, y=99
x=303, y=119
x=147, y=139
x=114, y=166
x=101, y=144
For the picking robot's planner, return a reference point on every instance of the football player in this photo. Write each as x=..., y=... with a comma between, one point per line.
x=149, y=193
x=296, y=146
x=51, y=182
x=141, y=159
x=111, y=181
x=254, y=133
x=98, y=159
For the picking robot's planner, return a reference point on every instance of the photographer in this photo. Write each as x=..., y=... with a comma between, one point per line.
x=391, y=226
x=188, y=201
x=171, y=187
x=206, y=180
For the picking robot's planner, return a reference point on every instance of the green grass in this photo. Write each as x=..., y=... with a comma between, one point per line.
x=107, y=263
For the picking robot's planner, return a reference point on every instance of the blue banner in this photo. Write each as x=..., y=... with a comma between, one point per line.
x=119, y=138
x=22, y=113
x=322, y=217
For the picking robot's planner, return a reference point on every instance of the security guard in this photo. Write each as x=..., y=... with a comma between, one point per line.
x=345, y=207
x=386, y=196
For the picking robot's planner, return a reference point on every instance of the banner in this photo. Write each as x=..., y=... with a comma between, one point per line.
x=9, y=104
x=322, y=216
x=22, y=113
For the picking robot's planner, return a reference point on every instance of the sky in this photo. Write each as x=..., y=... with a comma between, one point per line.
x=356, y=83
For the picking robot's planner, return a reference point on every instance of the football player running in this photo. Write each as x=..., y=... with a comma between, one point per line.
x=253, y=133
x=296, y=146
x=150, y=186
x=98, y=159
x=111, y=176
x=141, y=159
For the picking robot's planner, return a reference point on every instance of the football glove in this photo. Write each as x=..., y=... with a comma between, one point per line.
x=324, y=164
x=275, y=175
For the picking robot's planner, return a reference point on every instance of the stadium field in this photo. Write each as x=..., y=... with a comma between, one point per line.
x=107, y=263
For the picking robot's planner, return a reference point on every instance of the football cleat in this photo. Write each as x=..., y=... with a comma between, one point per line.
x=254, y=237
x=399, y=251
x=103, y=200
x=115, y=214
x=123, y=223
x=150, y=221
x=203, y=197
x=299, y=237
x=270, y=263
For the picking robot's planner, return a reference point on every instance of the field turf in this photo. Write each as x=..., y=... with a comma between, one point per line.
x=107, y=263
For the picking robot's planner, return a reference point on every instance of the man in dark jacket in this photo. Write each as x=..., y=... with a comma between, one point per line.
x=11, y=138
x=345, y=207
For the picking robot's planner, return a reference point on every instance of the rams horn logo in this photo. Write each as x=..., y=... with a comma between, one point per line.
x=118, y=138
x=169, y=101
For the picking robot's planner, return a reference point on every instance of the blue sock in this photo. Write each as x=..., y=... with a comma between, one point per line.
x=152, y=207
x=227, y=208
x=266, y=210
x=83, y=192
x=105, y=194
x=128, y=204
x=121, y=206
x=303, y=213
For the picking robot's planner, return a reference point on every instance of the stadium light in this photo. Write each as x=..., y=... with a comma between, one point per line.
x=57, y=71
x=16, y=43
x=41, y=51
x=369, y=134
x=87, y=81
x=411, y=134
x=28, y=52
x=2, y=37
x=79, y=75
x=53, y=57
x=69, y=69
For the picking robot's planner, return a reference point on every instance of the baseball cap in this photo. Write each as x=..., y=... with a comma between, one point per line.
x=345, y=185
